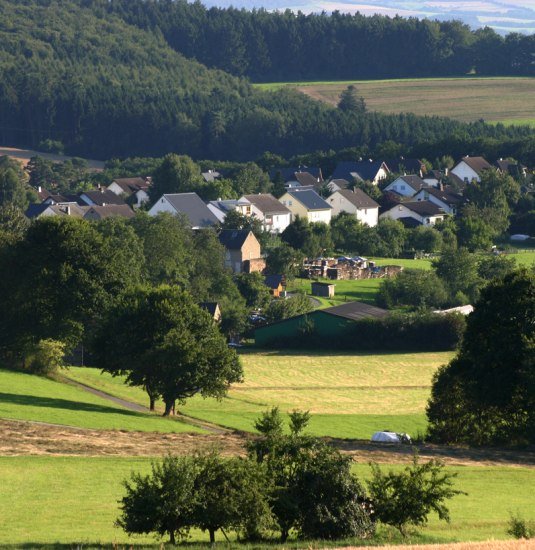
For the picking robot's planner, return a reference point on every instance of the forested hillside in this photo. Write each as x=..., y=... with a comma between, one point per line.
x=284, y=46
x=71, y=72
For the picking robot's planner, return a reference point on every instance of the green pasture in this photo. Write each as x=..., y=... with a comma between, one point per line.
x=74, y=500
x=31, y=397
x=349, y=395
x=507, y=100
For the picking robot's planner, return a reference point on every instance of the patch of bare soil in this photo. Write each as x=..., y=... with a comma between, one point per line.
x=24, y=156
x=488, y=545
x=19, y=438
x=31, y=438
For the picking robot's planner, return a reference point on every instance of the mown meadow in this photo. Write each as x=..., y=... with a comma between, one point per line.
x=495, y=99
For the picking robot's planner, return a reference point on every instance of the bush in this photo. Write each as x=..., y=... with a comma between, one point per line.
x=45, y=357
x=519, y=528
x=408, y=497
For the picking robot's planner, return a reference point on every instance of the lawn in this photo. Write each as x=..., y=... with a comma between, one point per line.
x=74, y=500
x=349, y=395
x=31, y=397
x=508, y=100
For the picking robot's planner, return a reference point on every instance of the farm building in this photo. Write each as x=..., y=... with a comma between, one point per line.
x=327, y=323
x=325, y=290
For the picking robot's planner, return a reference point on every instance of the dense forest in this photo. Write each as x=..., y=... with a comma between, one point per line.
x=74, y=73
x=287, y=46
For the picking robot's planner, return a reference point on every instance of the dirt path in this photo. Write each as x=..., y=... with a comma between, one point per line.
x=19, y=438
x=140, y=408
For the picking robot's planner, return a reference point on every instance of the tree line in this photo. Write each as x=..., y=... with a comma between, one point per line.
x=288, y=46
x=78, y=76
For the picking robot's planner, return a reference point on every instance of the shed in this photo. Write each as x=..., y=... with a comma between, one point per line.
x=325, y=290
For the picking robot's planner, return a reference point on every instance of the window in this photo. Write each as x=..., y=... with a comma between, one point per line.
x=403, y=188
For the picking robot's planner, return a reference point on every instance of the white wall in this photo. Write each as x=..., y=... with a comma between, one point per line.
x=401, y=211
x=401, y=187
x=161, y=205
x=369, y=216
x=463, y=171
x=317, y=216
x=423, y=196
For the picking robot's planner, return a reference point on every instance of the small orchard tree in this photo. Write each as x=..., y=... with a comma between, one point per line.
x=406, y=498
x=162, y=502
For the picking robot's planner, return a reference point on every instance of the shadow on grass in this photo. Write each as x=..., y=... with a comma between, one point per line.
x=54, y=403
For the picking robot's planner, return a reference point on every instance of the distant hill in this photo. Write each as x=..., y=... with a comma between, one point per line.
x=501, y=15
x=107, y=80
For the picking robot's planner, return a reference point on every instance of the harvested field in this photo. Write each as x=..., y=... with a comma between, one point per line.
x=24, y=156
x=37, y=439
x=488, y=545
x=466, y=99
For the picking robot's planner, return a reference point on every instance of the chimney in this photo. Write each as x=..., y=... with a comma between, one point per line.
x=446, y=171
x=441, y=186
x=68, y=210
x=39, y=188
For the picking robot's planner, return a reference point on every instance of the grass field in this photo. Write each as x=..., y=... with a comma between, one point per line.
x=350, y=396
x=74, y=500
x=30, y=397
x=508, y=100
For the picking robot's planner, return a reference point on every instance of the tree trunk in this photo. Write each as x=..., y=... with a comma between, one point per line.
x=284, y=535
x=152, y=403
x=169, y=405
x=212, y=536
x=172, y=538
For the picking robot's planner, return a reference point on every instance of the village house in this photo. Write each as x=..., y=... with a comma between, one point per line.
x=44, y=209
x=337, y=184
x=443, y=197
x=213, y=309
x=100, y=197
x=402, y=165
x=406, y=186
x=220, y=208
x=355, y=202
x=307, y=204
x=242, y=251
x=108, y=211
x=415, y=213
x=364, y=170
x=275, y=217
x=134, y=189
x=189, y=205
x=469, y=169
x=275, y=283
x=303, y=175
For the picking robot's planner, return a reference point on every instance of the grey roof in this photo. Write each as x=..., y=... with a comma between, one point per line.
x=64, y=209
x=102, y=197
x=358, y=198
x=101, y=212
x=341, y=183
x=210, y=176
x=35, y=210
x=289, y=173
x=227, y=205
x=309, y=199
x=446, y=196
x=192, y=206
x=424, y=208
x=267, y=203
x=131, y=185
x=356, y=311
x=416, y=182
x=366, y=170
x=233, y=239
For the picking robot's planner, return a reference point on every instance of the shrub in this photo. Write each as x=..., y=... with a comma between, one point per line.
x=519, y=528
x=407, y=498
x=45, y=357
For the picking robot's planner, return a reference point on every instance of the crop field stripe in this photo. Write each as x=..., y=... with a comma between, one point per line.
x=74, y=500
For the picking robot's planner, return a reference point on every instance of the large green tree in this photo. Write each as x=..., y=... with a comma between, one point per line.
x=176, y=174
x=486, y=395
x=160, y=340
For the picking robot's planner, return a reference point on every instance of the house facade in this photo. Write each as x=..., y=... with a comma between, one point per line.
x=274, y=215
x=242, y=251
x=422, y=212
x=406, y=186
x=188, y=205
x=469, y=169
x=138, y=188
x=355, y=202
x=307, y=204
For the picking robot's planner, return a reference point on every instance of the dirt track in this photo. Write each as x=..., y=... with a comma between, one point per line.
x=18, y=438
